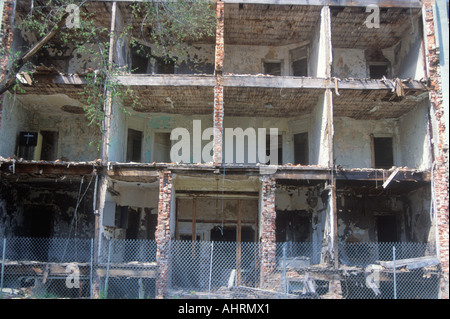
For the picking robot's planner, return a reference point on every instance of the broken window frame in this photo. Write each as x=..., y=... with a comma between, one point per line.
x=373, y=150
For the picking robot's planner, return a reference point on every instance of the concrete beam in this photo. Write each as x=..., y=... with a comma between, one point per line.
x=354, y=3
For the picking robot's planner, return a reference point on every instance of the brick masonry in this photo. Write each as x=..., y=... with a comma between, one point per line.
x=162, y=234
x=267, y=224
x=218, y=90
x=440, y=175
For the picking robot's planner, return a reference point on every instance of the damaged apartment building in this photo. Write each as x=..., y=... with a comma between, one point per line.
x=361, y=137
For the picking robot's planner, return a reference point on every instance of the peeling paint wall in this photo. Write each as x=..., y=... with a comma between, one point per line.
x=14, y=119
x=408, y=59
x=349, y=63
x=352, y=141
x=415, y=138
x=37, y=114
x=243, y=59
x=411, y=139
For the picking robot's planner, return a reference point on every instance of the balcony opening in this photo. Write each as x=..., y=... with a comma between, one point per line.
x=134, y=145
x=383, y=156
x=301, y=148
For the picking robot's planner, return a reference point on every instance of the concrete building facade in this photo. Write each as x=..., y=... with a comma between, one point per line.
x=354, y=89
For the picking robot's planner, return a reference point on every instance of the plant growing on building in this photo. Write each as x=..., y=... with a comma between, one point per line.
x=74, y=25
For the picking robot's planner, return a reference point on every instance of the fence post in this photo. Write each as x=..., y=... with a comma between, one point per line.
x=3, y=266
x=395, y=275
x=284, y=271
x=92, y=269
x=107, y=268
x=210, y=270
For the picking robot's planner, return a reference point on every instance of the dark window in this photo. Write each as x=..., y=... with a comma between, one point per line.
x=278, y=147
x=300, y=67
x=301, y=148
x=378, y=71
x=134, y=145
x=139, y=59
x=49, y=145
x=383, y=152
x=272, y=68
x=165, y=66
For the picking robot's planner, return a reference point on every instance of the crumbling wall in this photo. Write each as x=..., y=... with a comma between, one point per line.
x=18, y=201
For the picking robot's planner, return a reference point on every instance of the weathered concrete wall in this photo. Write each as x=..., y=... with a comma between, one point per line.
x=241, y=59
x=406, y=57
x=410, y=133
x=349, y=63
x=14, y=119
x=352, y=141
x=74, y=133
x=414, y=137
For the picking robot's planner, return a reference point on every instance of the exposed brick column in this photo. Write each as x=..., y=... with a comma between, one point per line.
x=218, y=90
x=440, y=176
x=162, y=234
x=6, y=37
x=267, y=231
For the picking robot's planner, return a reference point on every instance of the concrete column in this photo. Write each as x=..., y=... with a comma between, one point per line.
x=267, y=229
x=162, y=234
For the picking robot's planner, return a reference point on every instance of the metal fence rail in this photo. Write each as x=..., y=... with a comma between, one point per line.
x=118, y=269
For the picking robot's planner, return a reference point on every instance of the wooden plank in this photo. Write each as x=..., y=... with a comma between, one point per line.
x=411, y=263
x=133, y=273
x=390, y=178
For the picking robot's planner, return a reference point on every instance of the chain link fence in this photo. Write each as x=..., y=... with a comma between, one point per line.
x=128, y=269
